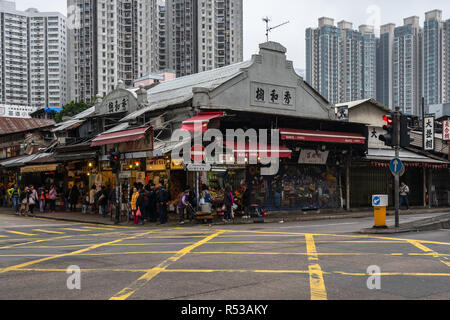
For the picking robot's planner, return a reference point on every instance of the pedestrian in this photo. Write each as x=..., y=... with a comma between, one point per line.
x=153, y=201
x=73, y=198
x=192, y=198
x=85, y=203
x=2, y=195
x=92, y=198
x=52, y=198
x=163, y=199
x=246, y=199
x=14, y=194
x=41, y=195
x=103, y=201
x=182, y=204
x=404, y=194
x=66, y=198
x=206, y=199
x=228, y=202
x=112, y=199
x=142, y=203
x=33, y=199
x=24, y=202
x=133, y=203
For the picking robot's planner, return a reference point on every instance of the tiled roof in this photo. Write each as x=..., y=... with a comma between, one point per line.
x=15, y=125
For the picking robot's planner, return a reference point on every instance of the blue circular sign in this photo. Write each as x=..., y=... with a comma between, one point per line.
x=396, y=165
x=376, y=201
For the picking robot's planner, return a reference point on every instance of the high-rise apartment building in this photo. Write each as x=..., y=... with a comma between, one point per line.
x=158, y=35
x=33, y=57
x=432, y=53
x=203, y=34
x=385, y=64
x=446, y=62
x=110, y=41
x=407, y=71
x=341, y=61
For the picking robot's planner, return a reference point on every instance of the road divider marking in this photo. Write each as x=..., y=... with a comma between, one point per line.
x=48, y=231
x=316, y=282
x=142, y=281
x=22, y=233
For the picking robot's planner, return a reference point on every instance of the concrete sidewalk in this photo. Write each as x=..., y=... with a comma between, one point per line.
x=272, y=217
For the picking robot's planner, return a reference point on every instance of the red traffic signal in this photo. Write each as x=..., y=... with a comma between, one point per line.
x=388, y=119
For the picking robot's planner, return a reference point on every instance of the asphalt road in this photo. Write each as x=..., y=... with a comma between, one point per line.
x=290, y=261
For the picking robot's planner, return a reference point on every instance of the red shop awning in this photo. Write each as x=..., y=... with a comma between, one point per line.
x=262, y=149
x=202, y=119
x=120, y=137
x=322, y=136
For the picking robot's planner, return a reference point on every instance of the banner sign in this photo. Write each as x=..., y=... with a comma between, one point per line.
x=428, y=134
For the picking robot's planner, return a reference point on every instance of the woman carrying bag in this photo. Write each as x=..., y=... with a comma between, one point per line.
x=134, y=208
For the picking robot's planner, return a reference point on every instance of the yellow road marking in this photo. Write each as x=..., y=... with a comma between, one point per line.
x=316, y=282
x=22, y=233
x=31, y=242
x=48, y=231
x=354, y=274
x=97, y=228
x=3, y=236
x=142, y=281
x=72, y=229
x=96, y=246
x=431, y=252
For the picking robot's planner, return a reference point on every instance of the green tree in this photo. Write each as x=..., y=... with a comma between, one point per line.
x=72, y=109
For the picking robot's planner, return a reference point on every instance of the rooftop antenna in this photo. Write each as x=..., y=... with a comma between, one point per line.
x=269, y=29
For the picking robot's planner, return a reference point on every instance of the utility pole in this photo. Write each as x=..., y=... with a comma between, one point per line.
x=397, y=116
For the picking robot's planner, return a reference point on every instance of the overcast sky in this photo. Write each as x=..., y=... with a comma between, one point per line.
x=302, y=14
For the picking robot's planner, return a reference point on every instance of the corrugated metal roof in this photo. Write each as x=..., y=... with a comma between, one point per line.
x=406, y=156
x=15, y=125
x=352, y=104
x=179, y=90
x=19, y=161
x=67, y=125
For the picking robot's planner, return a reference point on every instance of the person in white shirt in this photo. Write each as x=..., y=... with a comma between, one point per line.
x=404, y=193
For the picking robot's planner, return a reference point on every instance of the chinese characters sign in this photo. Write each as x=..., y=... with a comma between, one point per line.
x=313, y=157
x=446, y=130
x=117, y=106
x=428, y=134
x=272, y=96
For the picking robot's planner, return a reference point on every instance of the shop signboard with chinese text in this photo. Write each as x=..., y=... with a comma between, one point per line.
x=156, y=165
x=446, y=130
x=272, y=96
x=428, y=134
x=313, y=157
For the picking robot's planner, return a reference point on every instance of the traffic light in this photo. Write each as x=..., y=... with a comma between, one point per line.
x=389, y=139
x=405, y=138
x=114, y=161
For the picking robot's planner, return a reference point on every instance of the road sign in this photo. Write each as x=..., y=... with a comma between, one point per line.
x=396, y=166
x=199, y=167
x=380, y=200
x=198, y=153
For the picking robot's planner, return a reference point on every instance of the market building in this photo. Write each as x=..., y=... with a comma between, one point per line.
x=263, y=93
